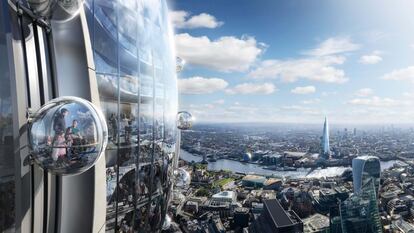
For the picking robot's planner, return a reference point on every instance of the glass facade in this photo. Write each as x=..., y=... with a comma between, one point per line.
x=135, y=71
x=7, y=171
x=365, y=168
x=359, y=213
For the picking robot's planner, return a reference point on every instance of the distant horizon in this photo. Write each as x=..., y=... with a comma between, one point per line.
x=334, y=125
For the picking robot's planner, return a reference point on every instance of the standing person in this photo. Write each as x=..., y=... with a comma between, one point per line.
x=73, y=130
x=128, y=132
x=59, y=123
x=113, y=123
x=123, y=124
x=73, y=138
x=59, y=126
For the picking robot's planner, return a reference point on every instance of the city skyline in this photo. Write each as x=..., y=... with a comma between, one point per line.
x=305, y=61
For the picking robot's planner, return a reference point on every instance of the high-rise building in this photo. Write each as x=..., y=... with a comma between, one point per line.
x=118, y=55
x=359, y=213
x=363, y=169
x=325, y=151
x=241, y=217
x=335, y=220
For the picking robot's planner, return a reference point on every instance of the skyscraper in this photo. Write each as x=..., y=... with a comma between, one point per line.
x=363, y=169
x=119, y=56
x=325, y=152
x=359, y=213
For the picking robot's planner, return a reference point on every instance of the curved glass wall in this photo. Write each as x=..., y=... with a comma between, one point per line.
x=365, y=168
x=359, y=213
x=135, y=67
x=7, y=172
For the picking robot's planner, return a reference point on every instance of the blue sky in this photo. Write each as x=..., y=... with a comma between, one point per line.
x=296, y=61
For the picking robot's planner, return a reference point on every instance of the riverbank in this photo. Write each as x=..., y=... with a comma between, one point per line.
x=252, y=168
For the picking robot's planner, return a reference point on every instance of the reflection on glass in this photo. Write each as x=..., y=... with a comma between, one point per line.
x=7, y=173
x=67, y=136
x=108, y=94
x=183, y=178
x=180, y=63
x=136, y=73
x=185, y=120
x=105, y=36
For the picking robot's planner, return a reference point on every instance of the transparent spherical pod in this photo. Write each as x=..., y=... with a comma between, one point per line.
x=67, y=135
x=182, y=178
x=184, y=120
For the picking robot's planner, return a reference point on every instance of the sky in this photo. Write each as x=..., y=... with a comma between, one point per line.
x=296, y=61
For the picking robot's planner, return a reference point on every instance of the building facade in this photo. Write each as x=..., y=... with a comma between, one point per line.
x=325, y=149
x=359, y=213
x=118, y=55
x=365, y=168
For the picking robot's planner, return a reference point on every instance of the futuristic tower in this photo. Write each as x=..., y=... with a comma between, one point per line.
x=119, y=56
x=325, y=152
x=359, y=213
x=365, y=168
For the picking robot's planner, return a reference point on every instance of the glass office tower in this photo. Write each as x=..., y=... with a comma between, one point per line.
x=365, y=168
x=117, y=54
x=325, y=149
x=359, y=213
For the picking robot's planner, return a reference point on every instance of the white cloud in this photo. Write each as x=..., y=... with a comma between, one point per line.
x=364, y=92
x=408, y=94
x=412, y=46
x=372, y=58
x=374, y=101
x=311, y=101
x=252, y=88
x=329, y=93
x=316, y=69
x=200, y=85
x=182, y=19
x=303, y=90
x=333, y=45
x=406, y=74
x=225, y=54
x=220, y=101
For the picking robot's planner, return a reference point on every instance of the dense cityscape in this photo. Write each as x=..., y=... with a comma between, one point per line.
x=357, y=179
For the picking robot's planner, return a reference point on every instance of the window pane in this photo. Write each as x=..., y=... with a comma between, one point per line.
x=108, y=94
x=7, y=185
x=105, y=36
x=128, y=149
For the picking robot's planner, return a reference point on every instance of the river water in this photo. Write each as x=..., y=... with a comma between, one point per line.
x=248, y=168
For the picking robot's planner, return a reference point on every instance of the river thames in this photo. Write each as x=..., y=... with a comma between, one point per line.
x=249, y=168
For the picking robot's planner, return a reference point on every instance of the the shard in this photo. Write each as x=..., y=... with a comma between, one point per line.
x=325, y=152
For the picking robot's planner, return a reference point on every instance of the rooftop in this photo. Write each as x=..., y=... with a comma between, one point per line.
x=255, y=178
x=279, y=216
x=225, y=194
x=366, y=157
